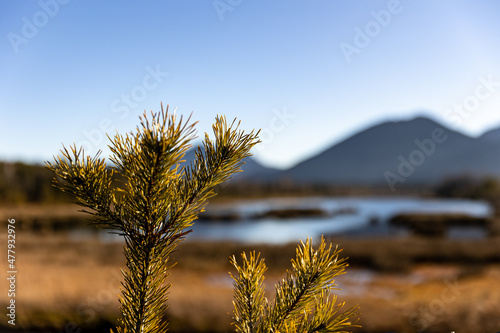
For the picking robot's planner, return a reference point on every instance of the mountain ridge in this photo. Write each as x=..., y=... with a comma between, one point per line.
x=414, y=151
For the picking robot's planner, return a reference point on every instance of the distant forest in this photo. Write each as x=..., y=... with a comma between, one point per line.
x=25, y=183
x=31, y=183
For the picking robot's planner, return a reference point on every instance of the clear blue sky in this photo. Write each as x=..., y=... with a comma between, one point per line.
x=309, y=72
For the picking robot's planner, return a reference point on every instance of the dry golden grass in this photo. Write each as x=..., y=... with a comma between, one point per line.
x=63, y=280
x=36, y=210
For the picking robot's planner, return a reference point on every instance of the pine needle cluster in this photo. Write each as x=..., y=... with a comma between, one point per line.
x=303, y=301
x=155, y=200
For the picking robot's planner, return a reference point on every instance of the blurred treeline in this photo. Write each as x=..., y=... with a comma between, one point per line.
x=26, y=183
x=32, y=183
x=469, y=187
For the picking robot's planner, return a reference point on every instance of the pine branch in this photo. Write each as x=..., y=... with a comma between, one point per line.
x=213, y=165
x=248, y=288
x=325, y=316
x=88, y=181
x=148, y=161
x=312, y=272
x=302, y=302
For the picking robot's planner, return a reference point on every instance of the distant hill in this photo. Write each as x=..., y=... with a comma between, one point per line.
x=491, y=136
x=417, y=151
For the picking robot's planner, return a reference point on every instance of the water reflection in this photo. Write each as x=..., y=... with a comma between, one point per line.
x=255, y=221
x=349, y=216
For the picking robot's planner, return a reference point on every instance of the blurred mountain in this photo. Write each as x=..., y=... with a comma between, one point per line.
x=253, y=170
x=491, y=136
x=417, y=151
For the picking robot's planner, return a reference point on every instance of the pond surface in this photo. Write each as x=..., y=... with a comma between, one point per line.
x=348, y=216
x=250, y=220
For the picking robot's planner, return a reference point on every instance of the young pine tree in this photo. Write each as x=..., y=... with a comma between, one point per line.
x=148, y=198
x=155, y=201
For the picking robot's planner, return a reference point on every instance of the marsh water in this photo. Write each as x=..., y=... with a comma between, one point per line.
x=346, y=216
x=254, y=221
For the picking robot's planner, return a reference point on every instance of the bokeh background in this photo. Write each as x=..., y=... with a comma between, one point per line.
x=379, y=125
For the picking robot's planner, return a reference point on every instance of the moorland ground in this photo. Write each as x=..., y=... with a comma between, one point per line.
x=401, y=284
